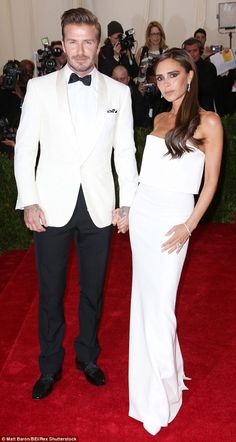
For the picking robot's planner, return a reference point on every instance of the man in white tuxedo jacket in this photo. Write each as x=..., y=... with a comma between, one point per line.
x=77, y=115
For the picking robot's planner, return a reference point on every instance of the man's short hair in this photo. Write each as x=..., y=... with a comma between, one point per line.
x=120, y=66
x=80, y=16
x=56, y=43
x=193, y=41
x=200, y=31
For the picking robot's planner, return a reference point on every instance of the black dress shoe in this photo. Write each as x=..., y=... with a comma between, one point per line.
x=44, y=385
x=93, y=373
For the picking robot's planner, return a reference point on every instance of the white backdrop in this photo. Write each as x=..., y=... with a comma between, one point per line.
x=24, y=22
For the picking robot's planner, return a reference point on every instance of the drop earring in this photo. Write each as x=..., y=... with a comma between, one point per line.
x=188, y=87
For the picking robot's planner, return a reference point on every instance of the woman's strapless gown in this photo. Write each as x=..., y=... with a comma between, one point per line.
x=164, y=198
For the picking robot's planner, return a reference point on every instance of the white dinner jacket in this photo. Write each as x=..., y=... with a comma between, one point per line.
x=66, y=160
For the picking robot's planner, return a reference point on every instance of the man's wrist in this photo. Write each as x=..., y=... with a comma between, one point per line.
x=123, y=211
x=32, y=206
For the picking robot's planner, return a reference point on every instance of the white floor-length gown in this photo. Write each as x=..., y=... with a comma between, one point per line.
x=164, y=198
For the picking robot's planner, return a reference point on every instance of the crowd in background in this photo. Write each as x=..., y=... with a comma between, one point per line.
x=120, y=59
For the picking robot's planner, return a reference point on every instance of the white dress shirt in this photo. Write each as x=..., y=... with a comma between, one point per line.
x=82, y=103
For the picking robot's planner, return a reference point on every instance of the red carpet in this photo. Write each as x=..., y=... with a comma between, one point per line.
x=205, y=311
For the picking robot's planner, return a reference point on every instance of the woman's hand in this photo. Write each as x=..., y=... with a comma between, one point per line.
x=179, y=235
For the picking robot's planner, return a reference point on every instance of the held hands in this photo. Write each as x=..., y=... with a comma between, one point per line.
x=180, y=234
x=120, y=218
x=34, y=218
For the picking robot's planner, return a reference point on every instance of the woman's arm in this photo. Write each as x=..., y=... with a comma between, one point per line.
x=211, y=129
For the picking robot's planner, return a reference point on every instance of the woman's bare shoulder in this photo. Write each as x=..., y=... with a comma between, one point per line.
x=162, y=124
x=159, y=121
x=160, y=117
x=209, y=119
x=210, y=131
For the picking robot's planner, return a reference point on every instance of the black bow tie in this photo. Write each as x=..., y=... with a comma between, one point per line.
x=85, y=80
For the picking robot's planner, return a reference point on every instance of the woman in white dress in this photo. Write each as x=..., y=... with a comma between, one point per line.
x=162, y=219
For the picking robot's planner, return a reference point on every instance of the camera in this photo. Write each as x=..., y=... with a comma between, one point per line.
x=56, y=52
x=216, y=48
x=11, y=72
x=127, y=40
x=47, y=64
x=6, y=131
x=150, y=88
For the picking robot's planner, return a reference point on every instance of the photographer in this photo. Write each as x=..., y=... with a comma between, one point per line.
x=207, y=51
x=200, y=34
x=117, y=50
x=13, y=88
x=207, y=74
x=58, y=54
x=51, y=58
x=26, y=73
x=146, y=98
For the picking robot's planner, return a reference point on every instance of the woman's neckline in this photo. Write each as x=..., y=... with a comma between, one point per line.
x=156, y=136
x=190, y=145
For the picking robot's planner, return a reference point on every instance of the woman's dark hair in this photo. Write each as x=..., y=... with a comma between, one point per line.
x=188, y=115
x=80, y=16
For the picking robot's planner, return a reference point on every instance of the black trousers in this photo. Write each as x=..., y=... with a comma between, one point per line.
x=52, y=250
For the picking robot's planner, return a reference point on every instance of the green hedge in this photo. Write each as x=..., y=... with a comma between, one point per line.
x=223, y=207
x=140, y=134
x=14, y=235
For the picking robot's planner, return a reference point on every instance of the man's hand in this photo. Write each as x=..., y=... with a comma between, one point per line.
x=141, y=88
x=120, y=218
x=34, y=218
x=117, y=50
x=207, y=52
x=9, y=143
x=115, y=216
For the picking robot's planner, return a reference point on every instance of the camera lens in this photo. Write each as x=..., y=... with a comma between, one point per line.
x=56, y=51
